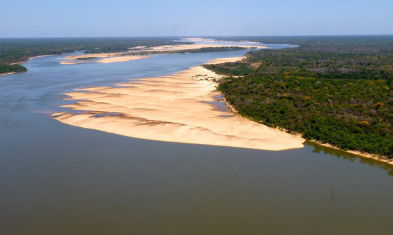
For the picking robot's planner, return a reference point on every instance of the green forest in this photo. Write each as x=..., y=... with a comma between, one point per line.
x=15, y=68
x=335, y=90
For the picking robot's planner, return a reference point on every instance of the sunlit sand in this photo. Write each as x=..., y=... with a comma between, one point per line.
x=120, y=59
x=175, y=108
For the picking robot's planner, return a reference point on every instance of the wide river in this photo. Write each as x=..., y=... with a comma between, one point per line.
x=60, y=179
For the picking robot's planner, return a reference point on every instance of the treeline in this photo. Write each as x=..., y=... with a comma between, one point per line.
x=334, y=90
x=200, y=50
x=19, y=50
x=16, y=68
x=209, y=49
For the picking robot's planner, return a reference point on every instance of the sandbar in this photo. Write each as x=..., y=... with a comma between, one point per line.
x=5, y=74
x=104, y=58
x=176, y=108
x=182, y=47
x=120, y=59
x=92, y=55
x=68, y=62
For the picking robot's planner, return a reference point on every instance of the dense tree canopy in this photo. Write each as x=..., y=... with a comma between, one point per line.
x=338, y=90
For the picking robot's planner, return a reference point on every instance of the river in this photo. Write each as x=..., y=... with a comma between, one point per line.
x=60, y=179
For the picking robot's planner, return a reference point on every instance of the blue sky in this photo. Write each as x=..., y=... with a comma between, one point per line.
x=91, y=18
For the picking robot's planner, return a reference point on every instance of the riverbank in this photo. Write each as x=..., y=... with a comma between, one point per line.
x=120, y=59
x=32, y=57
x=21, y=62
x=375, y=157
x=5, y=74
x=178, y=108
x=287, y=88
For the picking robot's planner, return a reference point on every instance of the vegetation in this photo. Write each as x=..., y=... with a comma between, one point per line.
x=211, y=49
x=15, y=68
x=337, y=90
x=87, y=58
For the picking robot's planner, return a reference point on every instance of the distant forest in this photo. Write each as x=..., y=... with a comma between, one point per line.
x=16, y=50
x=336, y=90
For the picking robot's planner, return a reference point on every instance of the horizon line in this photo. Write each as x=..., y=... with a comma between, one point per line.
x=204, y=36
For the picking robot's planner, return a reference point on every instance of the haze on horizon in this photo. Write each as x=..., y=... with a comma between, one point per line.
x=123, y=18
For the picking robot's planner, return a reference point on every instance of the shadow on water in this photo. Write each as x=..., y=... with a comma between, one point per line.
x=350, y=157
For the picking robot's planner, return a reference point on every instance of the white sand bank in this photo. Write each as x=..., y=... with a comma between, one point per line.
x=172, y=108
x=120, y=59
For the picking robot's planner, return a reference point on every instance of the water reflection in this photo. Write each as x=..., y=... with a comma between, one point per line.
x=350, y=157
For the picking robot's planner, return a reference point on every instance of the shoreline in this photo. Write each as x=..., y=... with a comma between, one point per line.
x=120, y=59
x=5, y=74
x=174, y=108
x=360, y=154
x=24, y=61
x=21, y=62
x=375, y=157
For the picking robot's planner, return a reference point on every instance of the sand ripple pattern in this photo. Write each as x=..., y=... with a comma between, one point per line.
x=175, y=108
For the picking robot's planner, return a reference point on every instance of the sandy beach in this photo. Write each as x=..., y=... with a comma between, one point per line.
x=5, y=74
x=120, y=59
x=68, y=62
x=175, y=108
